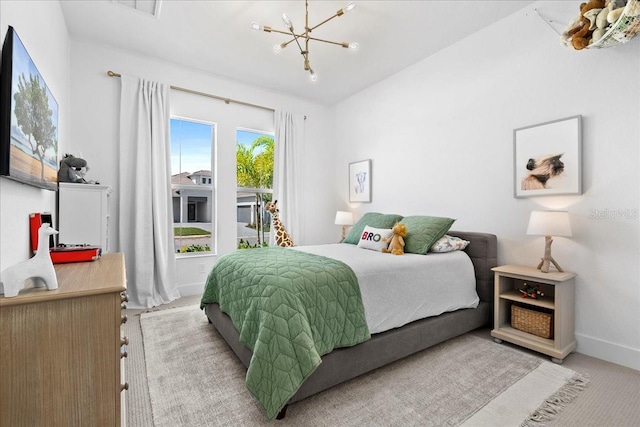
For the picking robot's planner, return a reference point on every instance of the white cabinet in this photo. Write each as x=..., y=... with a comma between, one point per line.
x=83, y=215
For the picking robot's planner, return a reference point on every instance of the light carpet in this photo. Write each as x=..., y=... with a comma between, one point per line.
x=196, y=380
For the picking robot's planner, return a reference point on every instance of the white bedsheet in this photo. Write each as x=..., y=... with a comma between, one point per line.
x=398, y=289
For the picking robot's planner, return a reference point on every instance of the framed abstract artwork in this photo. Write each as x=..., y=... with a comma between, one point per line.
x=547, y=158
x=360, y=182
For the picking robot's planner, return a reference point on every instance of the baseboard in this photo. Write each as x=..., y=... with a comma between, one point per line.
x=614, y=353
x=193, y=289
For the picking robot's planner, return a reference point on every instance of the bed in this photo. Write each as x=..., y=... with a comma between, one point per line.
x=386, y=346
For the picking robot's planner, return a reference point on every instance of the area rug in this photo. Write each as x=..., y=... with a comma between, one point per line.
x=196, y=380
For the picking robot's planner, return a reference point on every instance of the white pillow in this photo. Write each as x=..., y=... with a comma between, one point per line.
x=372, y=238
x=449, y=244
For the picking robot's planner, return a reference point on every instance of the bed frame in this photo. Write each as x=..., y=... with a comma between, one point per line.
x=344, y=364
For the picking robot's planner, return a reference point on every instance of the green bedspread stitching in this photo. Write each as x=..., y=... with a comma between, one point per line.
x=290, y=308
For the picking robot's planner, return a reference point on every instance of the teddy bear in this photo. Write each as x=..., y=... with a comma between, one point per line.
x=580, y=31
x=396, y=240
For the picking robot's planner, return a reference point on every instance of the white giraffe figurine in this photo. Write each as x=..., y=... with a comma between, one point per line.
x=282, y=237
x=39, y=268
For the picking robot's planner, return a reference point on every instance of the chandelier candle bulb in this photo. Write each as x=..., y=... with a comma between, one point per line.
x=287, y=21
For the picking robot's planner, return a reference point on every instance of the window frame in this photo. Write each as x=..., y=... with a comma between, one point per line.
x=213, y=241
x=251, y=191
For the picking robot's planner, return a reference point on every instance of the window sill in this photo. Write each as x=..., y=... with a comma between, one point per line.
x=189, y=255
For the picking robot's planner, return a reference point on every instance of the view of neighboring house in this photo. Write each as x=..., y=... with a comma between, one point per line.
x=192, y=202
x=192, y=197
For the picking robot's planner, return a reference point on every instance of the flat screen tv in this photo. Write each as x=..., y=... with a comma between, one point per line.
x=28, y=119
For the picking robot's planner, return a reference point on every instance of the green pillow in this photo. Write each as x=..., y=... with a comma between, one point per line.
x=423, y=232
x=372, y=219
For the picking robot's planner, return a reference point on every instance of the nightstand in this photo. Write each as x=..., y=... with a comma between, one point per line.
x=557, y=302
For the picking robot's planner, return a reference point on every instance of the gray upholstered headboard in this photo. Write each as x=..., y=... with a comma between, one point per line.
x=483, y=251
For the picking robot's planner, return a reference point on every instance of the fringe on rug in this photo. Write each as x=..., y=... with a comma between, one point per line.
x=557, y=401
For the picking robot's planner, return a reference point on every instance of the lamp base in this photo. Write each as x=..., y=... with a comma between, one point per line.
x=548, y=259
x=344, y=233
x=544, y=265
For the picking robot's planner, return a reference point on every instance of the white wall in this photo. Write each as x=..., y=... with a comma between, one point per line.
x=440, y=136
x=42, y=29
x=94, y=132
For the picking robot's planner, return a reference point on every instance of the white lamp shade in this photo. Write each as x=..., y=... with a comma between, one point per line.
x=549, y=223
x=344, y=218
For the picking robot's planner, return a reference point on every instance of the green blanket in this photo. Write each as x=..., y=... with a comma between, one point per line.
x=290, y=308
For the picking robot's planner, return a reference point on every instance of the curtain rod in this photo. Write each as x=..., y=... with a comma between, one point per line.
x=208, y=95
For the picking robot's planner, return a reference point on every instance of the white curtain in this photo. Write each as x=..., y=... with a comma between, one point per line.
x=145, y=210
x=287, y=173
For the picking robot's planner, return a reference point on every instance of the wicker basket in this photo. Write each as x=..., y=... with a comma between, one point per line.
x=623, y=30
x=533, y=322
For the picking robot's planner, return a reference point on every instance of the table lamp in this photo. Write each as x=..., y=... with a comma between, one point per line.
x=548, y=224
x=344, y=218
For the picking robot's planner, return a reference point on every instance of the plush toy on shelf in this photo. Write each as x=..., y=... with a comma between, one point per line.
x=72, y=169
x=529, y=291
x=396, y=240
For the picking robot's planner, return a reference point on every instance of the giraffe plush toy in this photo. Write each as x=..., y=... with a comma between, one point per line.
x=282, y=237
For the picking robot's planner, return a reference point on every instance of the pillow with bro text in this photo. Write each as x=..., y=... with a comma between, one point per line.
x=373, y=238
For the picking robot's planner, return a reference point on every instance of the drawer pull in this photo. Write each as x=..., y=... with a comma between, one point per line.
x=124, y=386
x=123, y=319
x=124, y=297
x=124, y=341
x=123, y=354
x=123, y=306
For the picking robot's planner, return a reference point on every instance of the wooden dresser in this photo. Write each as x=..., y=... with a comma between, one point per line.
x=61, y=351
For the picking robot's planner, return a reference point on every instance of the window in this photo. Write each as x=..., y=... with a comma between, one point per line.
x=254, y=170
x=192, y=145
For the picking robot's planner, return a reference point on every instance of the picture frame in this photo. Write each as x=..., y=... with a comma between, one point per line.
x=28, y=141
x=360, y=181
x=547, y=158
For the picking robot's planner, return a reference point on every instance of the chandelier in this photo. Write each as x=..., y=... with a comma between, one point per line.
x=302, y=39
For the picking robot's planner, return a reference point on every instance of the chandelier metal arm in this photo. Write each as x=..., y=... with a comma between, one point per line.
x=339, y=13
x=343, y=44
x=288, y=33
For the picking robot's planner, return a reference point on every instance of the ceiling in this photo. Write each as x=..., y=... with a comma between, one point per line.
x=215, y=37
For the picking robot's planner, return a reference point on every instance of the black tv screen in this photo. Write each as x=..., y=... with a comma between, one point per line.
x=28, y=121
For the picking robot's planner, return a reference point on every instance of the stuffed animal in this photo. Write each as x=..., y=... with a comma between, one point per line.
x=580, y=31
x=72, y=169
x=396, y=240
x=282, y=237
